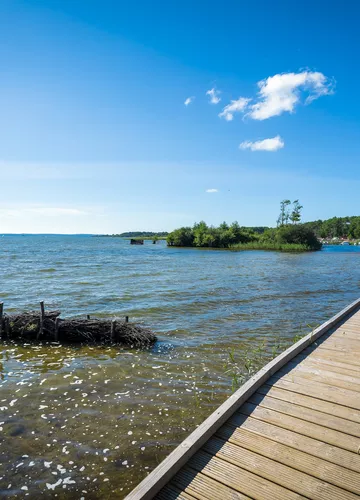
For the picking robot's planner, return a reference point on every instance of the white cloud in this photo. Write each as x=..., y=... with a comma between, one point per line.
x=282, y=92
x=272, y=144
x=212, y=190
x=234, y=107
x=189, y=100
x=214, y=96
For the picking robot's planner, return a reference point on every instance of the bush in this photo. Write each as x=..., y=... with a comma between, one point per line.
x=297, y=235
x=181, y=237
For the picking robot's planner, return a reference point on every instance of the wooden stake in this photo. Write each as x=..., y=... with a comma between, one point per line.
x=126, y=319
x=88, y=316
x=113, y=332
x=1, y=317
x=42, y=315
x=57, y=321
x=7, y=328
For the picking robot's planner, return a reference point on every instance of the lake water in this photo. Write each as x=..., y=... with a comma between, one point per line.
x=91, y=422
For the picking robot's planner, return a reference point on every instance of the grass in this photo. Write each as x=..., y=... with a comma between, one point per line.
x=281, y=247
x=244, y=363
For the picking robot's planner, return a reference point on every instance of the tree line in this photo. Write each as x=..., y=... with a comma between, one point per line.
x=336, y=227
x=289, y=233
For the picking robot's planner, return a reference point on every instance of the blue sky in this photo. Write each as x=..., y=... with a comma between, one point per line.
x=95, y=135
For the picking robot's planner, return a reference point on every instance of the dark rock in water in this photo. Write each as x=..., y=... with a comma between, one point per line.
x=17, y=430
x=28, y=326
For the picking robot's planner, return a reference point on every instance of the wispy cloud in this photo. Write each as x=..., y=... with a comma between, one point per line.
x=212, y=190
x=282, y=93
x=272, y=144
x=214, y=96
x=234, y=107
x=189, y=100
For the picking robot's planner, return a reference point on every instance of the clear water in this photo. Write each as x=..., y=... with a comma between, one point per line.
x=91, y=422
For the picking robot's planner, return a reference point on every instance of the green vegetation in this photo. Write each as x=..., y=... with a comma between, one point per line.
x=202, y=235
x=268, y=245
x=243, y=363
x=288, y=236
x=336, y=227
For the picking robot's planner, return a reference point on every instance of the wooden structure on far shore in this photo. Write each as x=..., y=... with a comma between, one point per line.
x=291, y=432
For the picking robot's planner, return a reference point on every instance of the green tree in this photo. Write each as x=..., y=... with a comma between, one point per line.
x=284, y=213
x=200, y=230
x=182, y=237
x=298, y=234
x=295, y=215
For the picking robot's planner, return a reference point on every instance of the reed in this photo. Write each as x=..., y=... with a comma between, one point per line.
x=268, y=245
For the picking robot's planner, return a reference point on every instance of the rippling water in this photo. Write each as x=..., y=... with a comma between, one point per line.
x=91, y=422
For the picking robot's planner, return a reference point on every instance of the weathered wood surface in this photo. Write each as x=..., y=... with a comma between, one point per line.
x=292, y=431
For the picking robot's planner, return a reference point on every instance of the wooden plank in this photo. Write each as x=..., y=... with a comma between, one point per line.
x=172, y=493
x=321, y=376
x=276, y=472
x=336, y=355
x=203, y=487
x=168, y=468
x=350, y=325
x=307, y=414
x=322, y=371
x=330, y=357
x=337, y=347
x=330, y=436
x=354, y=320
x=351, y=320
x=329, y=364
x=240, y=479
x=311, y=402
x=309, y=464
x=308, y=445
x=335, y=395
x=347, y=333
x=346, y=343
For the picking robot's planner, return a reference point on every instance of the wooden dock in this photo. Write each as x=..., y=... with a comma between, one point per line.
x=291, y=432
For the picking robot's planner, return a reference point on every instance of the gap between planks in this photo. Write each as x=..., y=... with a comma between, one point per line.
x=300, y=460
x=308, y=445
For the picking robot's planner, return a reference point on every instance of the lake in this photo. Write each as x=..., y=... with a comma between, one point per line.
x=91, y=422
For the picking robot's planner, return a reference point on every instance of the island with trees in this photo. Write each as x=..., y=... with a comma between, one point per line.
x=289, y=235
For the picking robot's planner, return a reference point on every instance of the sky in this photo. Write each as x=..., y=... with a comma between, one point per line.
x=150, y=115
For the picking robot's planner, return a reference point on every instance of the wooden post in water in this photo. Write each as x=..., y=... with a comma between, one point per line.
x=7, y=328
x=113, y=331
x=88, y=316
x=126, y=319
x=1, y=317
x=42, y=316
x=57, y=321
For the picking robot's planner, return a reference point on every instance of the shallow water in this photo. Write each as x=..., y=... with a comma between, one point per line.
x=91, y=422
